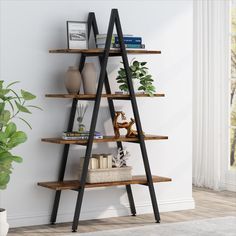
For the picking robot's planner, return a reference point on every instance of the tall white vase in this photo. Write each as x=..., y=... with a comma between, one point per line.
x=4, y=226
x=89, y=78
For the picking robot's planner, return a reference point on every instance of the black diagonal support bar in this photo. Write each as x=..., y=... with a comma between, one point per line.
x=65, y=151
x=93, y=124
x=92, y=24
x=136, y=116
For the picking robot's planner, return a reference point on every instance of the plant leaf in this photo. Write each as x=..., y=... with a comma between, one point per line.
x=2, y=106
x=1, y=83
x=136, y=63
x=27, y=95
x=16, y=139
x=35, y=107
x=12, y=107
x=4, y=180
x=15, y=82
x=17, y=159
x=22, y=108
x=143, y=63
x=5, y=117
x=10, y=129
x=27, y=123
x=16, y=94
x=3, y=92
x=3, y=137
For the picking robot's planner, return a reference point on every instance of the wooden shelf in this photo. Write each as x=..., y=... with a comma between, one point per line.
x=75, y=184
x=97, y=51
x=93, y=96
x=105, y=139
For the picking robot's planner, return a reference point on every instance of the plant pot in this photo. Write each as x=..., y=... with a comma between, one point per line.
x=108, y=175
x=4, y=226
x=89, y=77
x=73, y=80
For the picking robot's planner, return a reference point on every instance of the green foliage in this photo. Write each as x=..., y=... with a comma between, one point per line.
x=139, y=72
x=12, y=104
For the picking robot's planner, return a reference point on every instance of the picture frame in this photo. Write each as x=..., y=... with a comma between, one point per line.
x=77, y=34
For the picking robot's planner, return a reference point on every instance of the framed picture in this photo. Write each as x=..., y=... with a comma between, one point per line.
x=77, y=35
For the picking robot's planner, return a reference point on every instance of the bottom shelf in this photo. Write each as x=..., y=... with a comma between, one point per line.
x=75, y=184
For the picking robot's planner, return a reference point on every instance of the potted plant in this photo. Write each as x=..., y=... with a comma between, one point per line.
x=142, y=80
x=12, y=105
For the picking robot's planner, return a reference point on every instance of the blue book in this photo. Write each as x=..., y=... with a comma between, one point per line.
x=142, y=46
x=130, y=40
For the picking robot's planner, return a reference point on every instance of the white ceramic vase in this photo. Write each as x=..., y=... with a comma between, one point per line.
x=73, y=80
x=89, y=77
x=4, y=226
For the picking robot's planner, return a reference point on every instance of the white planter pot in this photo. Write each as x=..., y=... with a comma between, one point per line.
x=4, y=226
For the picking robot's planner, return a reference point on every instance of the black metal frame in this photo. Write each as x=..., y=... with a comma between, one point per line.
x=103, y=79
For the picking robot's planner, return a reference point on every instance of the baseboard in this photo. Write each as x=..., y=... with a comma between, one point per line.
x=41, y=218
x=230, y=186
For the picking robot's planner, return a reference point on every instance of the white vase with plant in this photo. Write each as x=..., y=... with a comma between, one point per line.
x=12, y=105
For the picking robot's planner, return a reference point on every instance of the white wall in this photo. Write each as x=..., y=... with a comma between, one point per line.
x=28, y=30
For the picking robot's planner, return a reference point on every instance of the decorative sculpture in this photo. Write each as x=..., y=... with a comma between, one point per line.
x=124, y=125
x=120, y=157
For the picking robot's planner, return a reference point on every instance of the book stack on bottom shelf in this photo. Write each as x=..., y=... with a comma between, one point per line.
x=101, y=170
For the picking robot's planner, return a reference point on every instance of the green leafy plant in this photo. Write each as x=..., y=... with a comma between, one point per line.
x=12, y=105
x=139, y=72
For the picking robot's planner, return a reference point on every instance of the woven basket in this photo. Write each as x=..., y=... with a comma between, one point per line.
x=108, y=175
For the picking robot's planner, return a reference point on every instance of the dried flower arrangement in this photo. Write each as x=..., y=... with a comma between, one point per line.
x=120, y=157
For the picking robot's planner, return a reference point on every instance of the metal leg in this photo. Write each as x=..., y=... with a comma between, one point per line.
x=65, y=152
x=137, y=118
x=131, y=200
x=93, y=125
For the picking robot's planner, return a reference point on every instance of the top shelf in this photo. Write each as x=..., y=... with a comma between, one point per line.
x=96, y=51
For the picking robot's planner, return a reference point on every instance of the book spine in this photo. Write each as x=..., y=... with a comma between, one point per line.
x=77, y=134
x=81, y=137
x=100, y=36
x=130, y=40
x=130, y=45
x=103, y=40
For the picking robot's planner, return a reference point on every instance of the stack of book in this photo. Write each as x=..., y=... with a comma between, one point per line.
x=98, y=161
x=76, y=135
x=131, y=42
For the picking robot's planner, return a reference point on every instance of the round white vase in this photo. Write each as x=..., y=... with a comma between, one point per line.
x=4, y=226
x=73, y=80
x=89, y=78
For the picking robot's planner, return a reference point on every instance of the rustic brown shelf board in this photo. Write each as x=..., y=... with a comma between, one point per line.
x=75, y=184
x=95, y=51
x=105, y=139
x=93, y=96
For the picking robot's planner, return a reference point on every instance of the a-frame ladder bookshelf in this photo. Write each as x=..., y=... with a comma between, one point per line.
x=80, y=185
